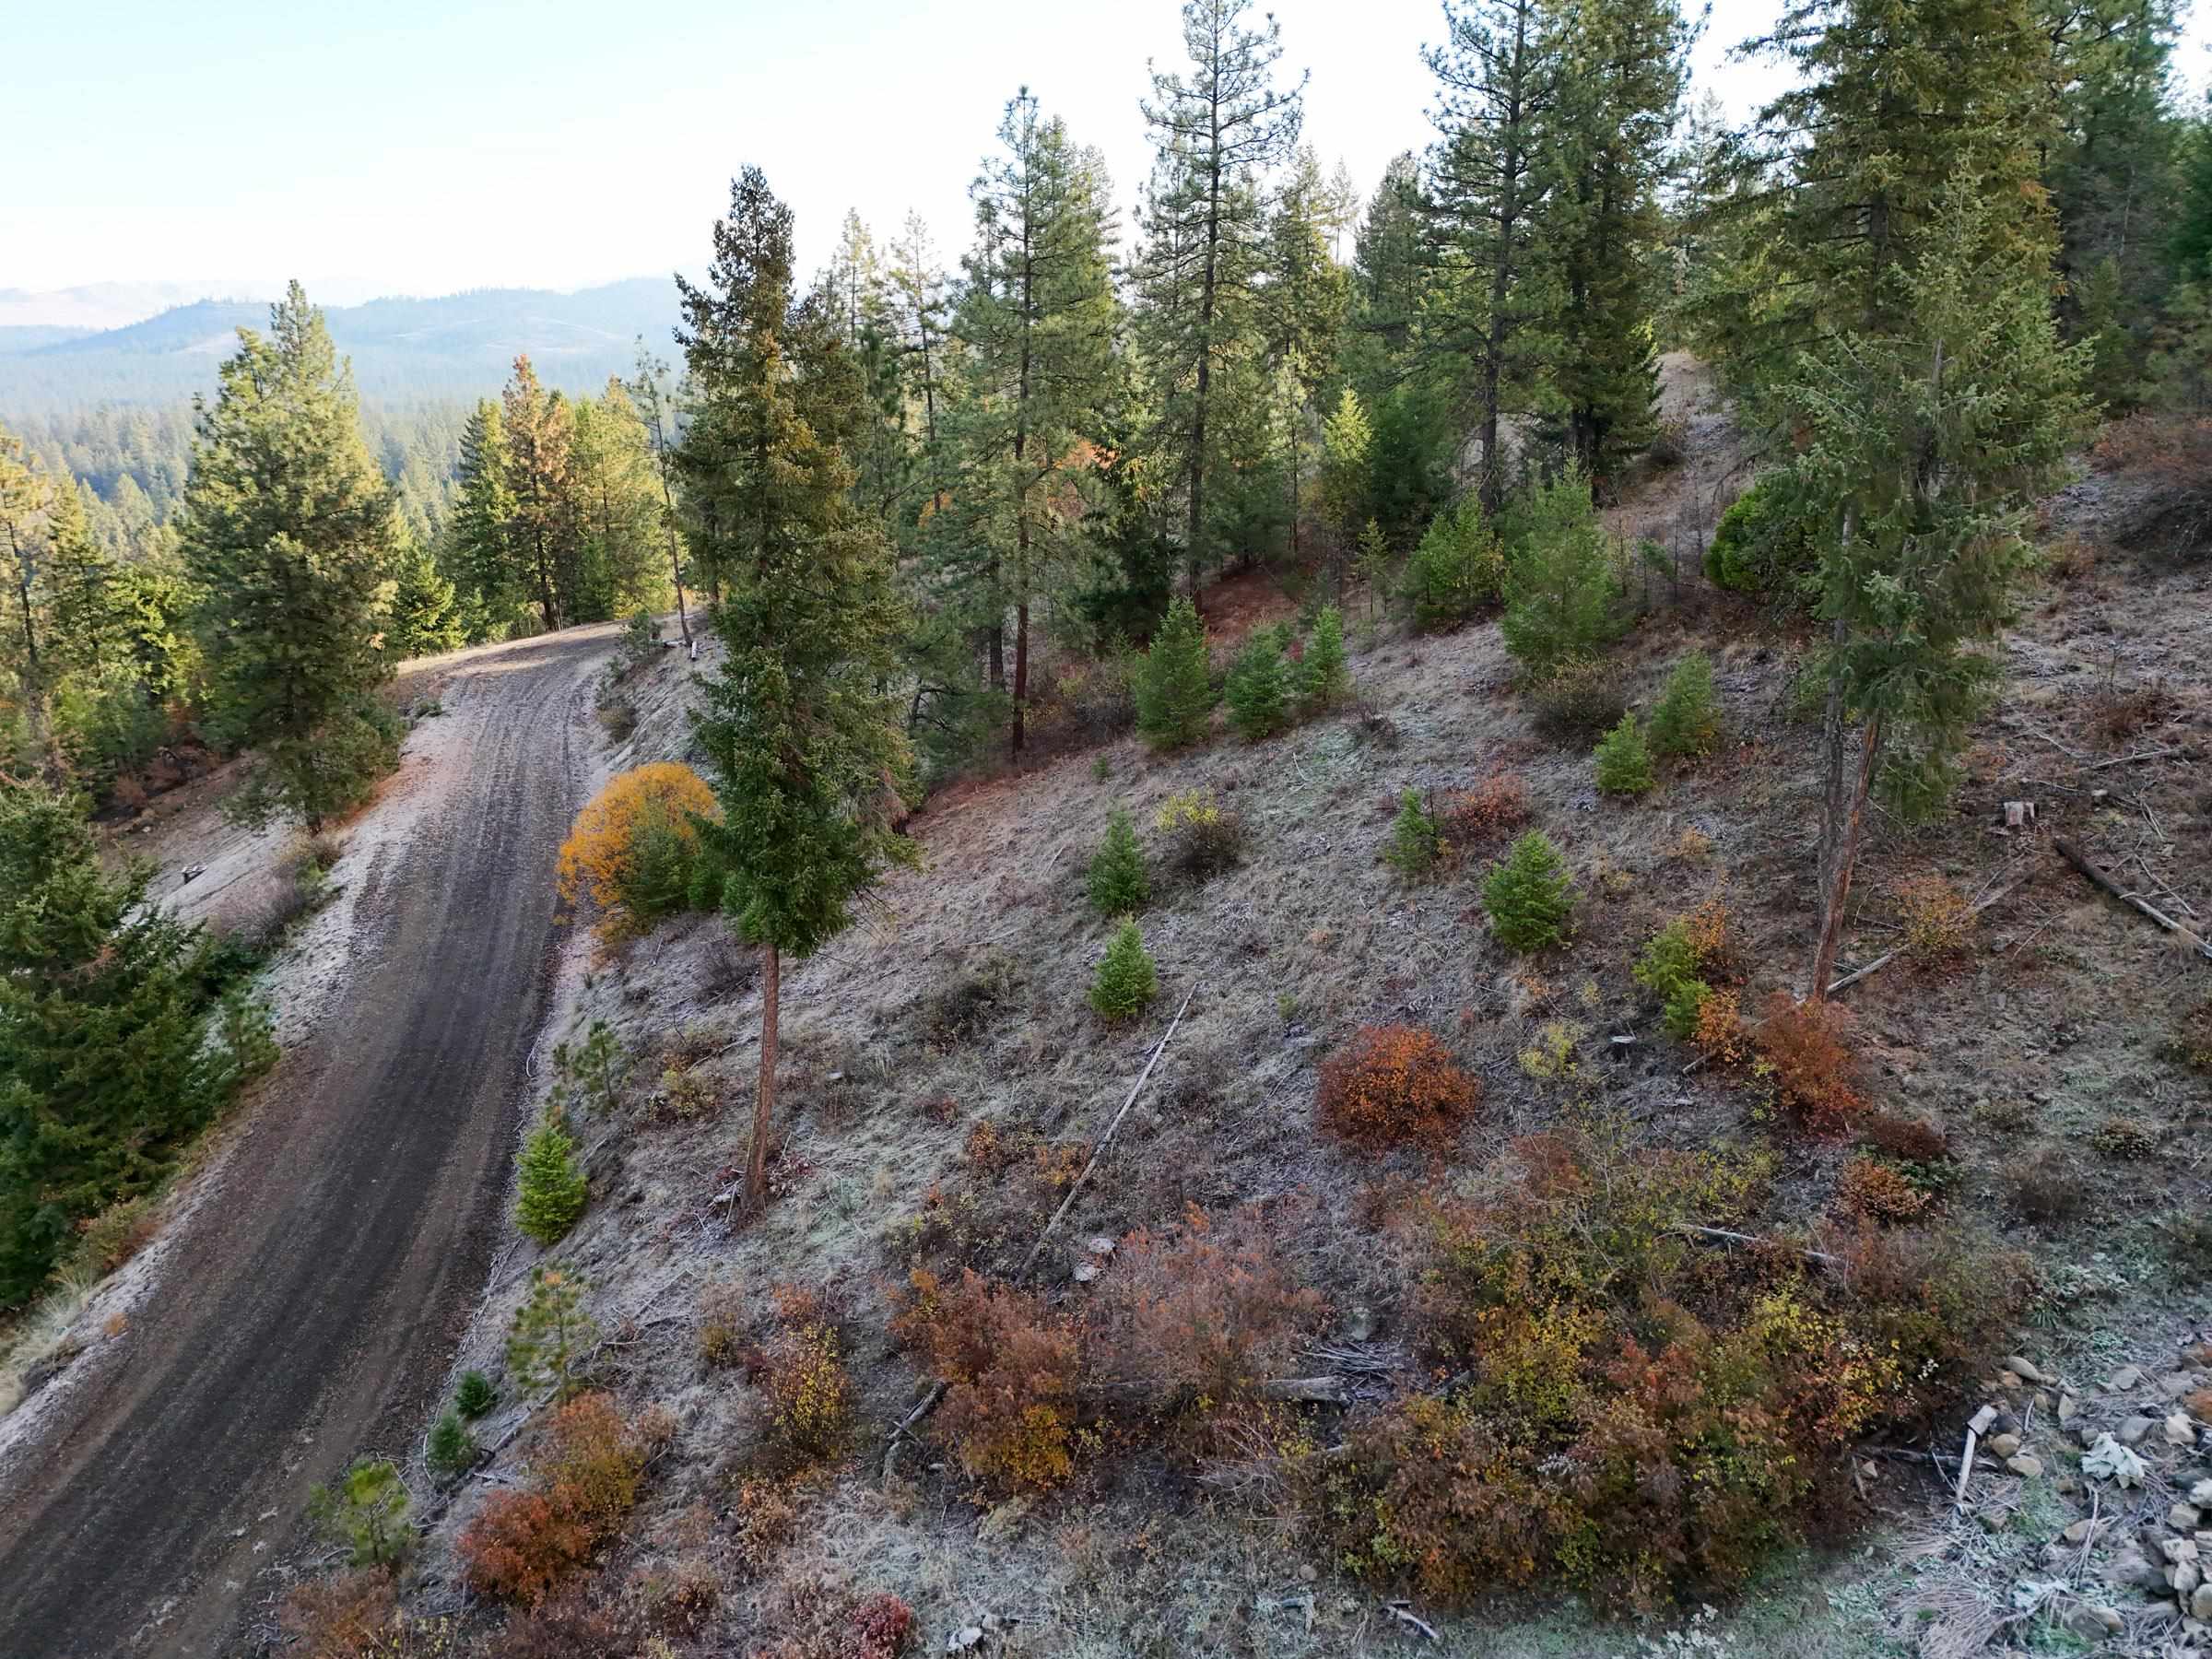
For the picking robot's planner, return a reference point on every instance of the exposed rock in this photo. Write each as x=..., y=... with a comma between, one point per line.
x=2186, y=1579
x=2201, y=1494
x=2004, y=1445
x=2179, y=1431
x=2178, y=1550
x=2025, y=1370
x=2135, y=1429
x=2174, y=1384
x=961, y=1640
x=2184, y=1517
x=2200, y=1604
x=2092, y=1622
x=2133, y=1570
x=2026, y=1465
x=2079, y=1531
x=2009, y=1379
x=2065, y=1409
x=1983, y=1420
x=2126, y=1378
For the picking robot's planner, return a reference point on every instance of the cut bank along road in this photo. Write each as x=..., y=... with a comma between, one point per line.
x=310, y=1306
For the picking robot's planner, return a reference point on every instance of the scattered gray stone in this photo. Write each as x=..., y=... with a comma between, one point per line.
x=2174, y=1384
x=2065, y=1409
x=2004, y=1445
x=2078, y=1533
x=2184, y=1517
x=2201, y=1494
x=2133, y=1570
x=2200, y=1604
x=2125, y=1380
x=2179, y=1430
x=2027, y=1371
x=2135, y=1429
x=2185, y=1577
x=961, y=1640
x=2178, y=1550
x=2027, y=1465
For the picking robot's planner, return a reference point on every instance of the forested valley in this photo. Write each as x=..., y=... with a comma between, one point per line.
x=1501, y=647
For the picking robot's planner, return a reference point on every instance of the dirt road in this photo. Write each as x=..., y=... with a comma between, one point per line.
x=310, y=1309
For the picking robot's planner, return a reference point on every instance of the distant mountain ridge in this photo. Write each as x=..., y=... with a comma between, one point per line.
x=402, y=349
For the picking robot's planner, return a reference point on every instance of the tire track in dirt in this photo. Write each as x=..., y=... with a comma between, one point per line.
x=308, y=1311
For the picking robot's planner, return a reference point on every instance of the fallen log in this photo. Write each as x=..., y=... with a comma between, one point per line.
x=2099, y=880
x=1725, y=1237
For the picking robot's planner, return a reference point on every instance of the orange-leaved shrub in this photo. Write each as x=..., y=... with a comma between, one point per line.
x=1803, y=1053
x=1868, y=1187
x=339, y=1615
x=1011, y=1366
x=1392, y=1084
x=634, y=849
x=1493, y=808
x=802, y=1371
x=1938, y=920
x=1200, y=1314
x=1639, y=1409
x=584, y=1479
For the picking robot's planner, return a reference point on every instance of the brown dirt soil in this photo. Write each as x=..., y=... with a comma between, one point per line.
x=334, y=1247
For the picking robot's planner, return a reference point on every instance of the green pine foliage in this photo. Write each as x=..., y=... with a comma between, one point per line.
x=551, y=1334
x=1118, y=883
x=1416, y=841
x=426, y=609
x=1125, y=982
x=1324, y=675
x=474, y=1396
x=1670, y=968
x=118, y=1043
x=1623, y=760
x=289, y=535
x=554, y=1190
x=1560, y=588
x=366, y=1512
x=1258, y=690
x=1172, y=682
x=1529, y=895
x=1679, y=1014
x=1688, y=721
x=1769, y=540
x=452, y=1448
x=1456, y=569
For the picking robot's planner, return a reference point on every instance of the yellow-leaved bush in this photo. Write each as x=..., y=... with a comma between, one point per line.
x=634, y=849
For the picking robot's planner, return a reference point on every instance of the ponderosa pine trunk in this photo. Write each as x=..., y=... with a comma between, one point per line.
x=764, y=1097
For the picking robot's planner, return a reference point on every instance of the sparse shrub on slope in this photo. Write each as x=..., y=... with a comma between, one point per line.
x=1454, y=569
x=1528, y=894
x=553, y=1189
x=1011, y=1367
x=366, y=1511
x=1639, y=1415
x=1687, y=724
x=1390, y=1085
x=1118, y=883
x=634, y=849
x=1578, y=701
x=474, y=1396
x=1125, y=982
x=802, y=1371
x=1622, y=762
x=1768, y=541
x=343, y=1616
x=1205, y=837
x=1258, y=691
x=583, y=1483
x=1803, y=1050
x=1680, y=961
x=451, y=1447
x=551, y=1332
x=1560, y=588
x=1416, y=845
x=1172, y=682
x=1472, y=817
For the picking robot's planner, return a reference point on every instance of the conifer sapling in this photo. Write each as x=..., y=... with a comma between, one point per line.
x=1624, y=763
x=1528, y=894
x=1416, y=843
x=1259, y=687
x=1125, y=981
x=1172, y=682
x=1687, y=720
x=553, y=1188
x=1119, y=884
x=1324, y=678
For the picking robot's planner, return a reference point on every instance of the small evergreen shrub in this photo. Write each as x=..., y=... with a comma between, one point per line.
x=554, y=1190
x=1324, y=676
x=1768, y=541
x=365, y=1511
x=1119, y=884
x=1205, y=837
x=1125, y=982
x=551, y=1332
x=452, y=1447
x=1258, y=691
x=1683, y=1008
x=1561, y=587
x=1172, y=682
x=1687, y=722
x=1528, y=894
x=592, y=1070
x=1622, y=762
x=1390, y=1085
x=1416, y=844
x=1578, y=701
x=474, y=1397
x=1454, y=569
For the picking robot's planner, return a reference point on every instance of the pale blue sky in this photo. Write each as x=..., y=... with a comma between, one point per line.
x=424, y=145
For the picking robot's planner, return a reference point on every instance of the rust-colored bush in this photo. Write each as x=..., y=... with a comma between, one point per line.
x=573, y=1625
x=809, y=1391
x=339, y=1616
x=1011, y=1366
x=521, y=1544
x=1873, y=1189
x=1940, y=1301
x=879, y=1628
x=1802, y=1049
x=1205, y=1313
x=595, y=1458
x=680, y=1600
x=1494, y=807
x=1394, y=1084
x=763, y=1519
x=1912, y=1139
